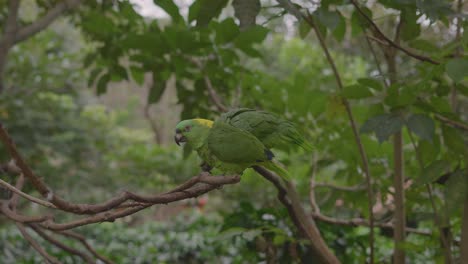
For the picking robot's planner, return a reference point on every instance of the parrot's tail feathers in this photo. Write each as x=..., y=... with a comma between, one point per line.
x=277, y=169
x=296, y=139
x=305, y=145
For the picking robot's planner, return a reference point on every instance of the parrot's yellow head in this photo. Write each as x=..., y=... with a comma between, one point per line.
x=192, y=131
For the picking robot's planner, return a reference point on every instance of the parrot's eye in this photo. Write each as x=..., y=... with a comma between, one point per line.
x=187, y=128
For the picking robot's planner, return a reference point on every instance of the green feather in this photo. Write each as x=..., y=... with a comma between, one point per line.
x=270, y=165
x=269, y=128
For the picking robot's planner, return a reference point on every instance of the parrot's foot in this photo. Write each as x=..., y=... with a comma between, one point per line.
x=205, y=173
x=205, y=167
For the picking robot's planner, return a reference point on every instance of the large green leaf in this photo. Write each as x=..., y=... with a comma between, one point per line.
x=371, y=83
x=171, y=8
x=203, y=11
x=433, y=171
x=456, y=191
x=422, y=125
x=226, y=31
x=457, y=69
x=454, y=140
x=383, y=126
x=157, y=89
x=356, y=91
x=101, y=86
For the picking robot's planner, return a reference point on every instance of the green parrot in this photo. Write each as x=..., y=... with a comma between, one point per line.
x=222, y=146
x=269, y=128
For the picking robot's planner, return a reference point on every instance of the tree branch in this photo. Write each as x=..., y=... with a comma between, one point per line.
x=209, y=86
x=82, y=240
x=61, y=245
x=43, y=22
x=8, y=37
x=25, y=195
x=307, y=228
x=36, y=246
x=380, y=35
x=365, y=165
x=453, y=123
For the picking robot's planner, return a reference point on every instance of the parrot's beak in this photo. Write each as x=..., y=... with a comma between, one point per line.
x=178, y=138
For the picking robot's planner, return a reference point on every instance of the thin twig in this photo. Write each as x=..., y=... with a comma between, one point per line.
x=83, y=241
x=25, y=195
x=5, y=209
x=61, y=245
x=36, y=246
x=453, y=123
x=209, y=86
x=355, y=188
x=382, y=36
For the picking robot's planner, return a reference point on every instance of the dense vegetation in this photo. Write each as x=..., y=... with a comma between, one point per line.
x=91, y=92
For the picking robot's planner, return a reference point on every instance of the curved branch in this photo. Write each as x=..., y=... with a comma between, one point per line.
x=82, y=240
x=43, y=22
x=306, y=225
x=61, y=245
x=381, y=36
x=36, y=246
x=25, y=195
x=21, y=218
x=290, y=7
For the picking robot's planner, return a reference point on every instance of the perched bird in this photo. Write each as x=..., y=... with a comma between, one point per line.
x=272, y=130
x=229, y=149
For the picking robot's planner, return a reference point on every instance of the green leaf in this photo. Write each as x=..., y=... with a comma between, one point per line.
x=231, y=232
x=340, y=30
x=226, y=31
x=156, y=91
x=383, y=126
x=330, y=19
x=138, y=75
x=358, y=23
x=171, y=9
x=251, y=234
x=372, y=83
x=304, y=29
x=454, y=141
x=92, y=76
x=356, y=91
x=428, y=151
x=423, y=45
x=456, y=191
x=457, y=69
x=411, y=29
x=203, y=11
x=433, y=171
x=422, y=125
x=119, y=73
x=247, y=38
x=279, y=240
x=101, y=86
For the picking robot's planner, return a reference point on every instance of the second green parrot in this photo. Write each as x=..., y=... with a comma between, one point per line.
x=229, y=149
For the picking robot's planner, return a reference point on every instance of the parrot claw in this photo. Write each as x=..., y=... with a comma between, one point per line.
x=205, y=167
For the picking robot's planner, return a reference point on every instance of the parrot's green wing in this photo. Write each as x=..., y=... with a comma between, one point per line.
x=233, y=145
x=269, y=128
